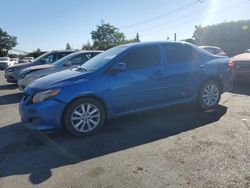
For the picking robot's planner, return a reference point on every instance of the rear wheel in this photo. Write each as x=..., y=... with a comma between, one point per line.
x=209, y=95
x=84, y=117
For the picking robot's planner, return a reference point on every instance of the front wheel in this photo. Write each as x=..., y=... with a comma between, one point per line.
x=210, y=94
x=84, y=117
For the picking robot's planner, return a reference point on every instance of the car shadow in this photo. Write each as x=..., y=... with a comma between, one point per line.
x=11, y=98
x=242, y=88
x=23, y=151
x=8, y=87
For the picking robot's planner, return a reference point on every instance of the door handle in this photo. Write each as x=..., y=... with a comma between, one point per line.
x=160, y=74
x=202, y=66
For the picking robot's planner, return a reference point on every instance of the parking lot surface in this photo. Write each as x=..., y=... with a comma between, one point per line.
x=173, y=147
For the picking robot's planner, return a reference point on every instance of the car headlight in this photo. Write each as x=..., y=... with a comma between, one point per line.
x=41, y=96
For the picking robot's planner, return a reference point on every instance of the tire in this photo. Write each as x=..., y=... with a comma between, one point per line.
x=209, y=95
x=84, y=117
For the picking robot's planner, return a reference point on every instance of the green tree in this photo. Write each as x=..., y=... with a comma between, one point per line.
x=233, y=37
x=190, y=40
x=87, y=46
x=68, y=47
x=106, y=36
x=7, y=42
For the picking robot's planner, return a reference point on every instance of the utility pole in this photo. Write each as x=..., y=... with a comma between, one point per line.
x=137, y=37
x=175, y=37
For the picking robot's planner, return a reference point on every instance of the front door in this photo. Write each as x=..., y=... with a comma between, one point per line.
x=142, y=84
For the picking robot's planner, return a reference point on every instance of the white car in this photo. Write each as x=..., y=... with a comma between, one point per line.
x=26, y=60
x=14, y=61
x=4, y=62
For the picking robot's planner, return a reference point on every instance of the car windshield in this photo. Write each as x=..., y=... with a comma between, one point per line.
x=65, y=59
x=41, y=57
x=4, y=58
x=102, y=59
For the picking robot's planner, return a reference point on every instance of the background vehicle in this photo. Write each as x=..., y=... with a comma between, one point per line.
x=4, y=62
x=242, y=66
x=14, y=61
x=73, y=60
x=26, y=60
x=11, y=73
x=214, y=50
x=123, y=80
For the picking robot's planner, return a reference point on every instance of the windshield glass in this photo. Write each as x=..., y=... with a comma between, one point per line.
x=41, y=57
x=4, y=58
x=102, y=59
x=65, y=59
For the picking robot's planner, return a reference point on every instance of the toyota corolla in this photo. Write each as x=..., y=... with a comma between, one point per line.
x=123, y=80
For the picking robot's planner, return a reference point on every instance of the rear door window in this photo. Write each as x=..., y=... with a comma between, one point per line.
x=180, y=53
x=142, y=58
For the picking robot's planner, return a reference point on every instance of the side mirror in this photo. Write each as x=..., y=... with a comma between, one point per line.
x=68, y=63
x=119, y=67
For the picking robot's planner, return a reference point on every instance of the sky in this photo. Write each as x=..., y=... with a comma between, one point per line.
x=50, y=24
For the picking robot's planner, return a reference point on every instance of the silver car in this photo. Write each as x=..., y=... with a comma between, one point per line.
x=70, y=61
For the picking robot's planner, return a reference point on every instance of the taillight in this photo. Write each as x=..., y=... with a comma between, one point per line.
x=231, y=64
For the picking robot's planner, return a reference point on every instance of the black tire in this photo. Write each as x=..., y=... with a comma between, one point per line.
x=72, y=107
x=201, y=100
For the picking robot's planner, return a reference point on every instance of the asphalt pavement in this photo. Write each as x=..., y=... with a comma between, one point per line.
x=173, y=147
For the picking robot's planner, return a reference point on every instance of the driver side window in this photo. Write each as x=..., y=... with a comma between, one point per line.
x=79, y=60
x=49, y=59
x=142, y=58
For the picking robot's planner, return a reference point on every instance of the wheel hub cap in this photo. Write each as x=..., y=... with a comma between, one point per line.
x=85, y=117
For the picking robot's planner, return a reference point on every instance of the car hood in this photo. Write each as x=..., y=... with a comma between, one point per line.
x=58, y=79
x=34, y=68
x=242, y=57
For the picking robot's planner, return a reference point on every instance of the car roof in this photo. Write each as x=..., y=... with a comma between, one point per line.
x=63, y=51
x=210, y=47
x=154, y=43
x=87, y=51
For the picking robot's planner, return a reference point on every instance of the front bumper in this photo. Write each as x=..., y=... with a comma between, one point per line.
x=24, y=82
x=11, y=76
x=3, y=66
x=41, y=116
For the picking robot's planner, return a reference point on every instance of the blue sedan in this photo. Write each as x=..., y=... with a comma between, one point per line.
x=123, y=80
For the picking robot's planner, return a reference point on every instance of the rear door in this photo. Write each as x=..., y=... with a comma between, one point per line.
x=143, y=84
x=185, y=70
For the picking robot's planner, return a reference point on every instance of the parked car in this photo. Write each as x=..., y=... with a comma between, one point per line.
x=26, y=60
x=4, y=62
x=11, y=73
x=214, y=50
x=30, y=74
x=14, y=61
x=242, y=66
x=123, y=80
